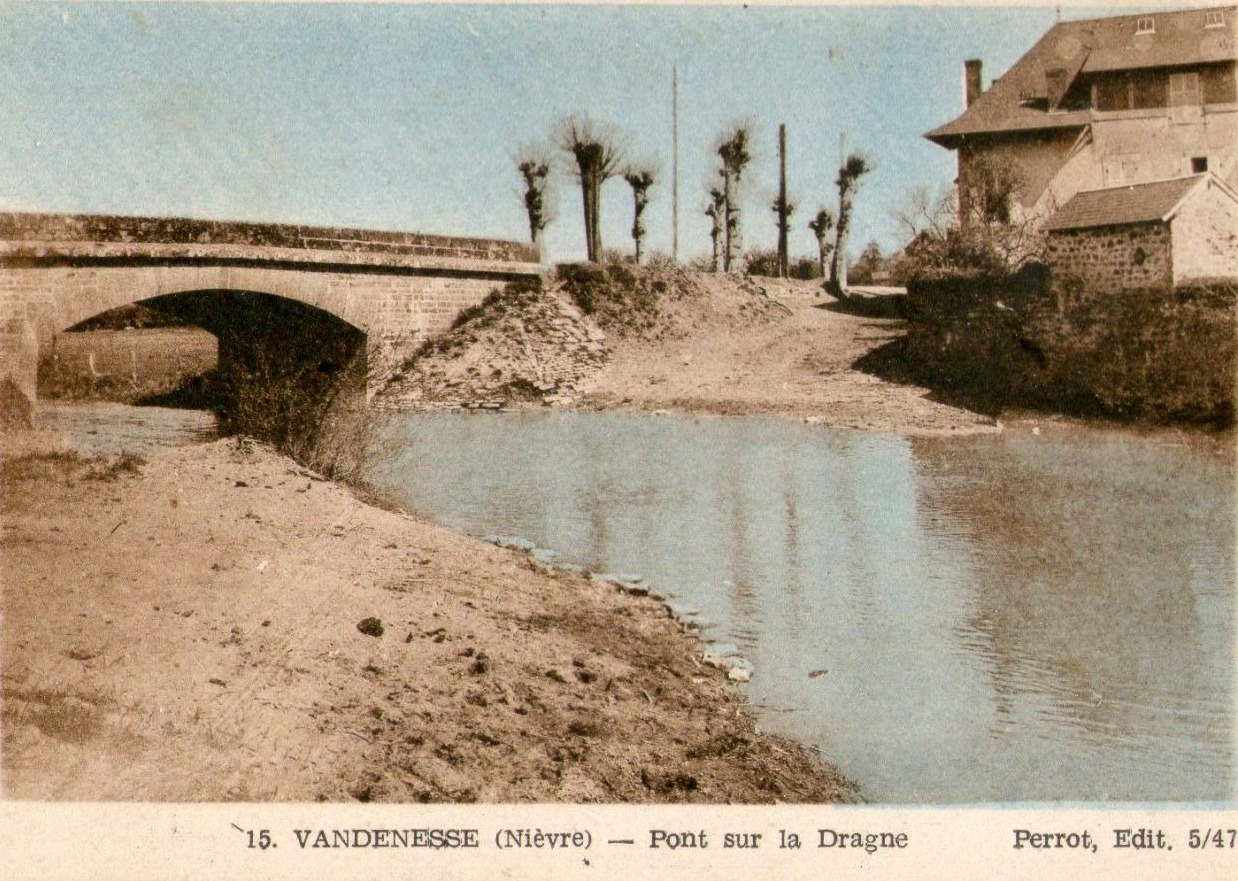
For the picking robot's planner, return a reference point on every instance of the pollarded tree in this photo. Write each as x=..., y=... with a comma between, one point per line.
x=716, y=212
x=853, y=168
x=821, y=224
x=534, y=164
x=595, y=146
x=783, y=207
x=640, y=178
x=734, y=151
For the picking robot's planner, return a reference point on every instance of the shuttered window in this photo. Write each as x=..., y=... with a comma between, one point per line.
x=1184, y=97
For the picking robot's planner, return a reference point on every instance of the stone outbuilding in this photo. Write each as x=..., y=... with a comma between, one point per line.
x=1163, y=233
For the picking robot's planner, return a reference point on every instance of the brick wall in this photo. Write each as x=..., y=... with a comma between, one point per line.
x=1113, y=257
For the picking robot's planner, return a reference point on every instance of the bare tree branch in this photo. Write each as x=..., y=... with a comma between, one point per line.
x=598, y=151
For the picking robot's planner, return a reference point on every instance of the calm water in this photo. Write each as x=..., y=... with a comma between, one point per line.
x=1003, y=618
x=104, y=429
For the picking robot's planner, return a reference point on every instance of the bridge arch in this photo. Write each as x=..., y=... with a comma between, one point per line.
x=284, y=369
x=379, y=292
x=75, y=296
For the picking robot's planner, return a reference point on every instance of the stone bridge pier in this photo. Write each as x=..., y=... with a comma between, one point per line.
x=301, y=312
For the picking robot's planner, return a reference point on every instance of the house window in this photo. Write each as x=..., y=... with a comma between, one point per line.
x=1148, y=90
x=1184, y=103
x=1112, y=93
x=1199, y=164
x=1217, y=81
x=1214, y=18
x=1145, y=25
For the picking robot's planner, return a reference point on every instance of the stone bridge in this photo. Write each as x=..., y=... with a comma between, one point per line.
x=282, y=300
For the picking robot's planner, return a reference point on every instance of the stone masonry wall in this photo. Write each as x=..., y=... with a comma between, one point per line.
x=1113, y=257
x=39, y=230
x=396, y=311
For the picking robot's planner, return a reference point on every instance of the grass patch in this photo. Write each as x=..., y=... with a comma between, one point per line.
x=624, y=300
x=126, y=463
x=59, y=713
x=69, y=465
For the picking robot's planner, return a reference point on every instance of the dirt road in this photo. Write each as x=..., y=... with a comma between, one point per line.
x=695, y=342
x=775, y=347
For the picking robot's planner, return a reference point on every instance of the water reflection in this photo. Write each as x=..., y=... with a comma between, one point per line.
x=106, y=429
x=1101, y=600
x=1002, y=618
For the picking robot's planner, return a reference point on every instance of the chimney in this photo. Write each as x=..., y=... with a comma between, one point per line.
x=972, y=83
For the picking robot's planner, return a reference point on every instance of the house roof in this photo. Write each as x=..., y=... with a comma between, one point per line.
x=1152, y=202
x=1072, y=48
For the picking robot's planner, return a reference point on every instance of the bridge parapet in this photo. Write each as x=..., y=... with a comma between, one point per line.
x=29, y=238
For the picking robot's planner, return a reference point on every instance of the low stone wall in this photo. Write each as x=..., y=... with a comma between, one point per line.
x=1153, y=353
x=1136, y=255
x=37, y=231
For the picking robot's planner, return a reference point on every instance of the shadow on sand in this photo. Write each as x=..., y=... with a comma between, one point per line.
x=866, y=304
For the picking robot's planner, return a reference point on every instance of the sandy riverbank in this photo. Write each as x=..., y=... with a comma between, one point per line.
x=202, y=626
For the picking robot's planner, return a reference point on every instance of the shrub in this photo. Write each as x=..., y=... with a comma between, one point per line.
x=700, y=263
x=1158, y=354
x=945, y=297
x=619, y=297
x=805, y=268
x=763, y=262
x=1155, y=353
x=16, y=411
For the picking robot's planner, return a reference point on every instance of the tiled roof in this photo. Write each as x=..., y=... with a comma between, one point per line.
x=1118, y=206
x=1090, y=46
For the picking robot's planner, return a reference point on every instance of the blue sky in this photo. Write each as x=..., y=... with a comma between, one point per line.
x=406, y=117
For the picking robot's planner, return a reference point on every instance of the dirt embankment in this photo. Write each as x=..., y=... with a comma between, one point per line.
x=656, y=339
x=219, y=624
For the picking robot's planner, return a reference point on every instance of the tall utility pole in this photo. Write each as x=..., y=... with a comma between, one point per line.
x=675, y=163
x=783, y=260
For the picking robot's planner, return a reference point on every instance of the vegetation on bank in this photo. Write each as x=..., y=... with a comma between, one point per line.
x=161, y=363
x=623, y=300
x=69, y=465
x=990, y=327
x=1157, y=354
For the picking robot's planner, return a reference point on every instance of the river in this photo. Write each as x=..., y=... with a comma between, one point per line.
x=1012, y=618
